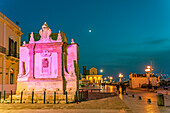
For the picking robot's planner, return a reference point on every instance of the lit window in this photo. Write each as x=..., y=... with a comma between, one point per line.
x=11, y=76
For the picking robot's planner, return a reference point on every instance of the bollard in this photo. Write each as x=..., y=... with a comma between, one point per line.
x=133, y=95
x=81, y=96
x=44, y=96
x=149, y=100
x=4, y=94
x=139, y=98
x=21, y=97
x=54, y=97
x=11, y=96
x=160, y=100
x=0, y=97
x=66, y=98
x=87, y=94
x=32, y=96
x=76, y=98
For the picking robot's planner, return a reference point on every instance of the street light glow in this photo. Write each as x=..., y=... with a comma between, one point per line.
x=105, y=78
x=148, y=67
x=120, y=75
x=147, y=70
x=110, y=79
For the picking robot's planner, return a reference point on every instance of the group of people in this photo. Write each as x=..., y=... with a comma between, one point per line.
x=121, y=86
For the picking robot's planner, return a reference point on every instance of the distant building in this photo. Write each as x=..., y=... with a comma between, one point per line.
x=84, y=72
x=93, y=77
x=10, y=36
x=136, y=80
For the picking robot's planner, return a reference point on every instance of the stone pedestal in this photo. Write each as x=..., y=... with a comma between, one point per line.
x=49, y=86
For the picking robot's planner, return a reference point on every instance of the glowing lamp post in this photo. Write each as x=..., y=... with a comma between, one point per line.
x=120, y=77
x=111, y=79
x=149, y=71
x=105, y=79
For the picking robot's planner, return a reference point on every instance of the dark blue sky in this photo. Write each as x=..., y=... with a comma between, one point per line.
x=125, y=35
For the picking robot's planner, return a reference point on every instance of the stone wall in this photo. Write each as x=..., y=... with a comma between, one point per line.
x=136, y=82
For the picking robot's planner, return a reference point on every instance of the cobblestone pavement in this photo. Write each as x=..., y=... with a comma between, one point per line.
x=142, y=106
x=106, y=105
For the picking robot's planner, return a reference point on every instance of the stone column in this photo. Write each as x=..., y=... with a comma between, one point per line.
x=4, y=58
x=59, y=54
x=3, y=72
x=31, y=53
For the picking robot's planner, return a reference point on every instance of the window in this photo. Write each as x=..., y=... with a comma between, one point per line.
x=11, y=76
x=45, y=65
x=12, y=48
x=15, y=49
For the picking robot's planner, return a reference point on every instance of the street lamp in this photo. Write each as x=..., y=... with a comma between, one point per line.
x=111, y=79
x=148, y=70
x=120, y=77
x=105, y=79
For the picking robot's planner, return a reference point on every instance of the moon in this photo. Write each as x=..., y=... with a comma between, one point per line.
x=89, y=31
x=101, y=71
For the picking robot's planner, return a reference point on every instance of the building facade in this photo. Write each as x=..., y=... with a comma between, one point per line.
x=48, y=62
x=10, y=36
x=93, y=77
x=137, y=80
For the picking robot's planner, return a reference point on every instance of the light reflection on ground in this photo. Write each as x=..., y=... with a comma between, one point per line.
x=108, y=88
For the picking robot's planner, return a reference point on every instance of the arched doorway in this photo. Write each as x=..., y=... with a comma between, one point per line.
x=11, y=76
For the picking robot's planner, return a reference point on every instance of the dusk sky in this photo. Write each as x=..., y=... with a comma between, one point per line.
x=125, y=35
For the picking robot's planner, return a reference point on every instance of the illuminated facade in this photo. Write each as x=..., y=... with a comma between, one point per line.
x=136, y=80
x=93, y=77
x=10, y=36
x=48, y=62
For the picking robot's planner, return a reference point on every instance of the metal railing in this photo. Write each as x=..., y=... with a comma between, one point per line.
x=37, y=97
x=2, y=49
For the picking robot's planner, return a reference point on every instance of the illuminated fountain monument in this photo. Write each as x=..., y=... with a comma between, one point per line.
x=48, y=64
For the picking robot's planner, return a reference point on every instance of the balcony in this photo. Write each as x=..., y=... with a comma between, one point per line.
x=2, y=50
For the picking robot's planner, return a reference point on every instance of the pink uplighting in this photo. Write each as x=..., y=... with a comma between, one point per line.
x=42, y=63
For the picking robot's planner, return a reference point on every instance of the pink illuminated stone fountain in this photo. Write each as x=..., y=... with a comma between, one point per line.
x=48, y=64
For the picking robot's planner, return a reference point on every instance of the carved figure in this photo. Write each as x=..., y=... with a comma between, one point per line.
x=72, y=41
x=45, y=32
x=32, y=37
x=59, y=38
x=24, y=43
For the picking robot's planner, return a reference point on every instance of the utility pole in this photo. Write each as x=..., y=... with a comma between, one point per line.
x=151, y=65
